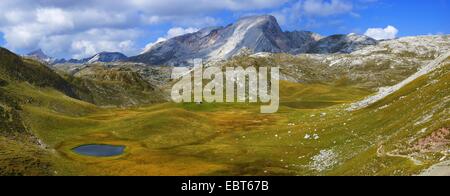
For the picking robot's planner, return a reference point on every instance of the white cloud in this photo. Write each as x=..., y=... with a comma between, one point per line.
x=183, y=7
x=390, y=32
x=173, y=32
x=56, y=30
x=86, y=48
x=325, y=8
x=290, y=15
x=59, y=26
x=88, y=43
x=54, y=18
x=309, y=10
x=21, y=36
x=14, y=16
x=177, y=31
x=83, y=47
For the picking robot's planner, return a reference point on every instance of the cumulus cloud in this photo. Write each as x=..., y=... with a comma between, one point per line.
x=97, y=40
x=83, y=27
x=182, y=7
x=390, y=32
x=196, y=21
x=325, y=8
x=67, y=28
x=66, y=32
x=308, y=10
x=173, y=32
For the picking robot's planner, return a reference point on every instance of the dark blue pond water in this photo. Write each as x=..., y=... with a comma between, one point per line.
x=99, y=150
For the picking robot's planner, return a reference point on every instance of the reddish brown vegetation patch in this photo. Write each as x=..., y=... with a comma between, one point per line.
x=437, y=141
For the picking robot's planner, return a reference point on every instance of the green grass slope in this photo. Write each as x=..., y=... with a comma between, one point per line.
x=15, y=68
x=25, y=83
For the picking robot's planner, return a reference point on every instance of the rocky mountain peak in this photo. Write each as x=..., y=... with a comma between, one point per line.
x=39, y=54
x=263, y=21
x=254, y=33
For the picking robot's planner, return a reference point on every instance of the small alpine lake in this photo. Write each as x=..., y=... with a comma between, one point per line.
x=99, y=150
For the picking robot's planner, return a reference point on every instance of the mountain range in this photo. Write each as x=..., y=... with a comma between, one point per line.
x=255, y=34
x=102, y=57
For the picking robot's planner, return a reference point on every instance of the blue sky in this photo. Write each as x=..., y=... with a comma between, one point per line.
x=2, y=41
x=77, y=29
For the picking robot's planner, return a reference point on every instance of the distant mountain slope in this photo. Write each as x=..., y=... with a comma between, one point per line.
x=94, y=84
x=256, y=33
x=341, y=44
x=119, y=86
x=102, y=57
x=39, y=54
